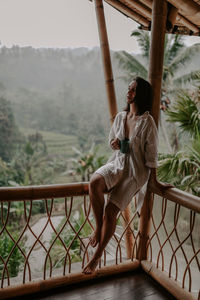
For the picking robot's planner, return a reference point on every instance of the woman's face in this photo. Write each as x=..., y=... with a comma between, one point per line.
x=130, y=96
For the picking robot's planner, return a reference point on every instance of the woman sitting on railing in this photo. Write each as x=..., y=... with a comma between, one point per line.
x=133, y=137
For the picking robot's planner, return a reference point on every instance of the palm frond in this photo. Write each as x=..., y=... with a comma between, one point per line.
x=183, y=57
x=190, y=77
x=131, y=64
x=143, y=39
x=186, y=113
x=173, y=46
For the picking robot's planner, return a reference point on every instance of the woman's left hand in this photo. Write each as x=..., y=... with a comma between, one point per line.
x=163, y=185
x=160, y=185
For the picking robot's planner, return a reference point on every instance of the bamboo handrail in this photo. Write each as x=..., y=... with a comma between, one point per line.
x=173, y=194
x=43, y=191
x=81, y=188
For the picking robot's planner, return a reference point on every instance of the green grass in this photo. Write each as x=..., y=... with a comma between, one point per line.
x=57, y=143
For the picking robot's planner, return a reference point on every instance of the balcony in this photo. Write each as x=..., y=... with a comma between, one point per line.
x=53, y=246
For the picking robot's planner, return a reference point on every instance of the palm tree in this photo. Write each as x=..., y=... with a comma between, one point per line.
x=176, y=55
x=183, y=168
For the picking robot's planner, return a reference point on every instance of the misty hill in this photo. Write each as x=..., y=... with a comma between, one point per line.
x=60, y=90
x=57, y=89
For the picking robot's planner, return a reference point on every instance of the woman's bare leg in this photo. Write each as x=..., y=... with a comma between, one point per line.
x=108, y=229
x=97, y=188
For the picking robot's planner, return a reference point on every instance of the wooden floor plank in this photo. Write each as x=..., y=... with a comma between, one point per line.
x=127, y=286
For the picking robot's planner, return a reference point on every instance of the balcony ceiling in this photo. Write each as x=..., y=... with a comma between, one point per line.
x=183, y=15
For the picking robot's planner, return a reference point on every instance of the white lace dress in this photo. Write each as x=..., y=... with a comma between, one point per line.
x=126, y=175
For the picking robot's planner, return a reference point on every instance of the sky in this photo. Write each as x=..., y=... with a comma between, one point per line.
x=64, y=23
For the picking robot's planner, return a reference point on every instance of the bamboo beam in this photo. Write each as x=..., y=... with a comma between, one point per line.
x=169, y=284
x=129, y=12
x=180, y=18
x=148, y=3
x=172, y=15
x=139, y=6
x=159, y=17
x=51, y=283
x=105, y=51
x=187, y=23
x=189, y=7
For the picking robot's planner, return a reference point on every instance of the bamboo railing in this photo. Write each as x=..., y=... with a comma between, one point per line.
x=172, y=247
x=49, y=258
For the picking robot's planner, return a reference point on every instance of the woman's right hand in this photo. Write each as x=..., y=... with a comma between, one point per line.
x=115, y=144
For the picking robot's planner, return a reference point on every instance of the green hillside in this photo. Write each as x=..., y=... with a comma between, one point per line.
x=58, y=144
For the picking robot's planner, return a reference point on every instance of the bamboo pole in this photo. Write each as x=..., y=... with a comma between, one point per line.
x=159, y=17
x=169, y=284
x=52, y=283
x=145, y=223
x=129, y=236
x=110, y=91
x=105, y=52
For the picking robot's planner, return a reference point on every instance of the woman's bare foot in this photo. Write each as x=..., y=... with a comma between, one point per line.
x=91, y=266
x=95, y=238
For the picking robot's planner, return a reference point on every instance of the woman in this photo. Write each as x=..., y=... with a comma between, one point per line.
x=129, y=168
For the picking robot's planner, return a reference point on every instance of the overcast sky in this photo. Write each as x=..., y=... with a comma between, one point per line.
x=64, y=23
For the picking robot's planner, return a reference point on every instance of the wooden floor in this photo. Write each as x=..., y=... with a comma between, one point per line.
x=128, y=286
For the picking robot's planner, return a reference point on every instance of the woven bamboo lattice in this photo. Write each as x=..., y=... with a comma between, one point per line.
x=174, y=242
x=55, y=243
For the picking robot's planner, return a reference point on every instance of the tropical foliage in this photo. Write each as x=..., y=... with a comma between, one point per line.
x=86, y=163
x=16, y=259
x=9, y=134
x=183, y=168
x=68, y=237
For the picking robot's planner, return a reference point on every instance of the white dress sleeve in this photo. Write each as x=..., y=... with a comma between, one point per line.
x=112, y=134
x=151, y=145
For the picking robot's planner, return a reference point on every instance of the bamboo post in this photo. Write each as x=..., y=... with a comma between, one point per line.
x=105, y=52
x=128, y=235
x=159, y=18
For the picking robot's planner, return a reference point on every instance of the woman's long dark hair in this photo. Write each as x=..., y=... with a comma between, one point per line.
x=143, y=98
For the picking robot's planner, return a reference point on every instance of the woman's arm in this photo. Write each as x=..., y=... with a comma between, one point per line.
x=160, y=185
